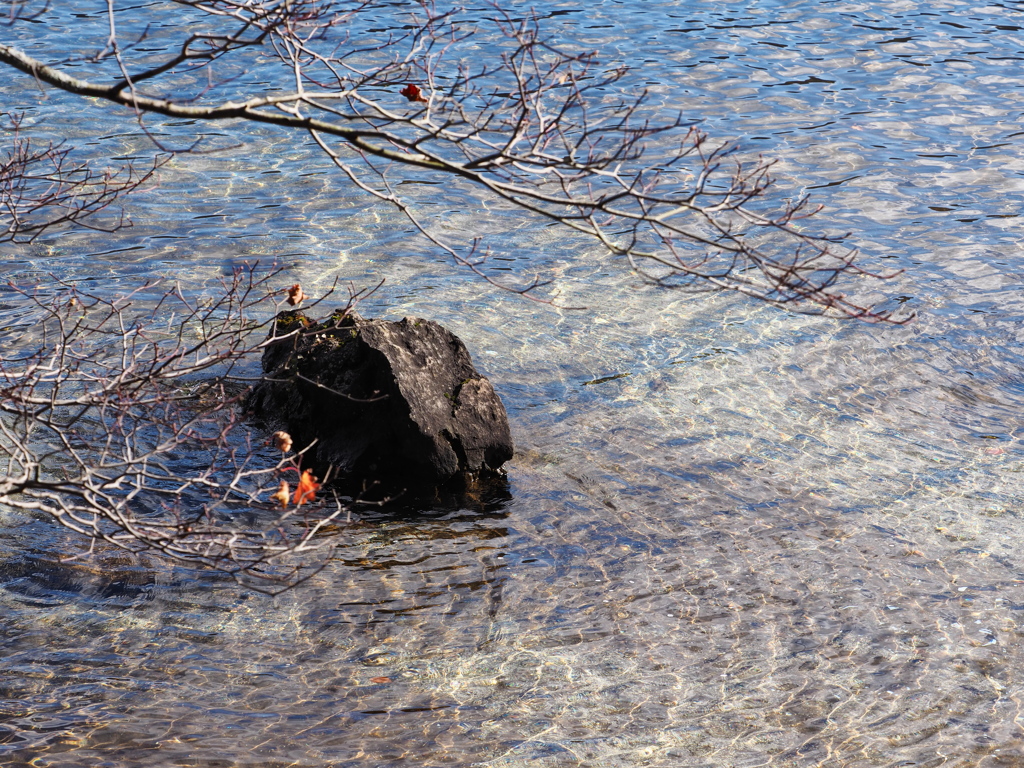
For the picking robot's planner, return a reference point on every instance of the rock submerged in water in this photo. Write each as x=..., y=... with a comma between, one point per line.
x=398, y=405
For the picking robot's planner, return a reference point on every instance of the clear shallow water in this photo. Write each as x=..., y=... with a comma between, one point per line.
x=778, y=541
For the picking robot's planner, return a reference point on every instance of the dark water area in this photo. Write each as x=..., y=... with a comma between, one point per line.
x=734, y=536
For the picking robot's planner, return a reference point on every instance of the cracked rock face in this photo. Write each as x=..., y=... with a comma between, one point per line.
x=397, y=404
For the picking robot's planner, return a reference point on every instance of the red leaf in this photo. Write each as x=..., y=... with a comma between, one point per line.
x=413, y=93
x=307, y=488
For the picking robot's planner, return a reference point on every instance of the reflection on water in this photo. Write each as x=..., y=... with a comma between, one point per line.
x=734, y=537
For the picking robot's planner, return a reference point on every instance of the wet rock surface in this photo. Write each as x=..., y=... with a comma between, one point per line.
x=395, y=406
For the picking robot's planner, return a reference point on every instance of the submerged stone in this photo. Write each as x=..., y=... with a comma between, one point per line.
x=396, y=405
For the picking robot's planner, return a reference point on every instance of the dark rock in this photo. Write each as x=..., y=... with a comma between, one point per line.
x=394, y=404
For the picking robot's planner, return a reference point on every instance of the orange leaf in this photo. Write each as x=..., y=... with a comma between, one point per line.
x=281, y=497
x=295, y=295
x=307, y=488
x=413, y=93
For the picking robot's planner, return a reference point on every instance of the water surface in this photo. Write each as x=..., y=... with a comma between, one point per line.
x=736, y=536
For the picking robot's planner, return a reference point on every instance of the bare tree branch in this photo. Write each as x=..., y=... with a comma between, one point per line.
x=42, y=188
x=122, y=423
x=119, y=419
x=535, y=126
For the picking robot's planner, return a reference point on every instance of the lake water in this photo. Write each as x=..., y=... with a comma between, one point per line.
x=771, y=540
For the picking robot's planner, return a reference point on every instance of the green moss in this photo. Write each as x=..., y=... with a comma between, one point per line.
x=287, y=322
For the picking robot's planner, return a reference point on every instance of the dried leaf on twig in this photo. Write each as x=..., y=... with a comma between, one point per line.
x=281, y=497
x=283, y=441
x=306, y=491
x=413, y=93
